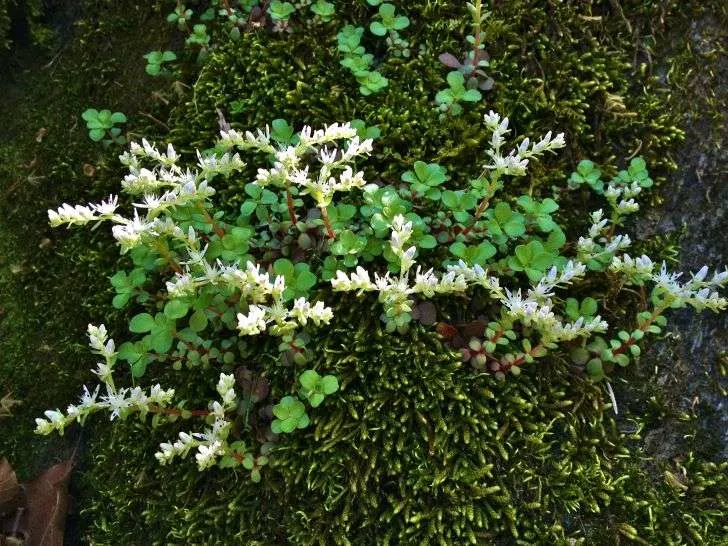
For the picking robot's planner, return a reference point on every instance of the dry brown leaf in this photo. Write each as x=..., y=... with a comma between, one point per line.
x=44, y=519
x=9, y=488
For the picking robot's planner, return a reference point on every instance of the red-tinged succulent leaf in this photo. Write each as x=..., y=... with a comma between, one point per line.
x=46, y=505
x=447, y=331
x=449, y=60
x=9, y=488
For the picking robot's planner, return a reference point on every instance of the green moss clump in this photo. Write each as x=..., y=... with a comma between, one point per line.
x=566, y=67
x=415, y=450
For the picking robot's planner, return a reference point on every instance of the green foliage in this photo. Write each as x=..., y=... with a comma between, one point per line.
x=281, y=11
x=425, y=178
x=128, y=286
x=539, y=212
x=325, y=10
x=290, y=415
x=102, y=124
x=449, y=99
x=156, y=60
x=388, y=21
x=316, y=388
x=299, y=279
x=180, y=16
x=532, y=258
x=358, y=61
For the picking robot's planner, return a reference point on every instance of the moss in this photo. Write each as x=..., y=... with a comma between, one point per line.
x=567, y=67
x=417, y=449
x=53, y=282
x=22, y=21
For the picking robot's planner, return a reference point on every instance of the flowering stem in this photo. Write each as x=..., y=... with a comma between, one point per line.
x=291, y=209
x=327, y=223
x=176, y=411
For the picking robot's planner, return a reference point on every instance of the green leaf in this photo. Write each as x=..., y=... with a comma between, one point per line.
x=458, y=249
x=141, y=323
x=162, y=341
x=139, y=368
x=594, y=367
x=198, y=321
x=175, y=309
x=283, y=267
x=96, y=134
x=309, y=379
x=456, y=80
x=305, y=280
x=472, y=95
x=118, y=117
x=329, y=384
x=427, y=241
x=120, y=300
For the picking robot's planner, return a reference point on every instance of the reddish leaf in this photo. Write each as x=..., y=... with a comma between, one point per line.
x=47, y=503
x=9, y=488
x=487, y=85
x=449, y=60
x=472, y=329
x=448, y=331
x=425, y=312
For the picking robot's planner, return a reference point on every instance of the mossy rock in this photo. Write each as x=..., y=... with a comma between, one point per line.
x=416, y=448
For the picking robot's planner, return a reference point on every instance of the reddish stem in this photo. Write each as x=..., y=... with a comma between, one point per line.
x=478, y=213
x=291, y=209
x=327, y=223
x=218, y=230
x=227, y=7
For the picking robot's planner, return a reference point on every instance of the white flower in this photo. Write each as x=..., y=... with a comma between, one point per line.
x=207, y=454
x=253, y=323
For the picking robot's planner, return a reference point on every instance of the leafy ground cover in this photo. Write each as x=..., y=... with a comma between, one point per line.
x=562, y=466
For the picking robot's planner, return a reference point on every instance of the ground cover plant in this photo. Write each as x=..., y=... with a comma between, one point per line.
x=563, y=412
x=174, y=218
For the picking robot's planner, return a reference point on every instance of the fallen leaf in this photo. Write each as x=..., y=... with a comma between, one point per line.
x=44, y=519
x=40, y=134
x=9, y=488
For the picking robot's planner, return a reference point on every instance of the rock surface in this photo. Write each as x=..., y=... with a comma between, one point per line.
x=688, y=360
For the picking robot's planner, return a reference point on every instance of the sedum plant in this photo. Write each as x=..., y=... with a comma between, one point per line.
x=102, y=126
x=220, y=277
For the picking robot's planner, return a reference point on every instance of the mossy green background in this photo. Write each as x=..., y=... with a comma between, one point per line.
x=539, y=459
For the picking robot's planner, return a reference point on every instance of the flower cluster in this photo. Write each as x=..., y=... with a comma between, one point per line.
x=287, y=170
x=698, y=292
x=119, y=402
x=395, y=291
x=212, y=443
